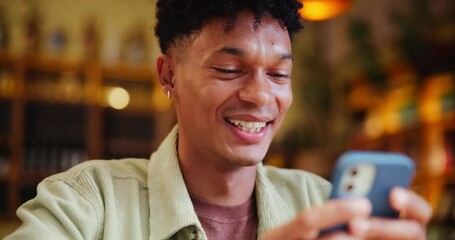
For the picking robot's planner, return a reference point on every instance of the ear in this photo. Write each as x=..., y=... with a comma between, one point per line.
x=165, y=67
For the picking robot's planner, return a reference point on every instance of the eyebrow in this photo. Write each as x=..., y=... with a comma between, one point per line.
x=232, y=51
x=240, y=52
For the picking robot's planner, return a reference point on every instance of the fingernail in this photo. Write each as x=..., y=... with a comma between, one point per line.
x=362, y=206
x=360, y=226
x=400, y=196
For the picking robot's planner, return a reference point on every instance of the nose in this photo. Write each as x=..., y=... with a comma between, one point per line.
x=256, y=90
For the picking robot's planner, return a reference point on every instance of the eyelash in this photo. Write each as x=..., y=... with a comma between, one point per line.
x=227, y=71
x=279, y=75
x=236, y=71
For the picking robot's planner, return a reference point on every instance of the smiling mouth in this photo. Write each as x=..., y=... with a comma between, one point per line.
x=251, y=127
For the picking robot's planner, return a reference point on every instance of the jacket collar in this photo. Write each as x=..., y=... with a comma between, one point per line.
x=170, y=204
x=272, y=208
x=171, y=208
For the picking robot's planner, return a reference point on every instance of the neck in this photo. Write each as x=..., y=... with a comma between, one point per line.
x=216, y=184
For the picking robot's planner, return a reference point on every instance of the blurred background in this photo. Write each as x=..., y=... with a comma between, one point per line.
x=78, y=82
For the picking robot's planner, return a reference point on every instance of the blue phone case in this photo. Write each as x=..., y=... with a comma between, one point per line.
x=391, y=169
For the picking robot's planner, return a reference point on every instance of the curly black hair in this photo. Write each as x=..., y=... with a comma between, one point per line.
x=178, y=19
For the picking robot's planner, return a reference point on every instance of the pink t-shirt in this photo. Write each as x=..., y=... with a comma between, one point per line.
x=227, y=223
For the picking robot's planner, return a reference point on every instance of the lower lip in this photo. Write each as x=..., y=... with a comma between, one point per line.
x=247, y=136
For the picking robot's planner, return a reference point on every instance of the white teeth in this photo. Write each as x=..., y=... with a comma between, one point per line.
x=257, y=125
x=250, y=127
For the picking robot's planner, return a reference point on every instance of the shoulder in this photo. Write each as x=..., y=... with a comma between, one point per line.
x=299, y=184
x=71, y=204
x=100, y=171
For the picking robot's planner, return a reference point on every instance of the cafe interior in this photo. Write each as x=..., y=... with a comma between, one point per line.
x=78, y=82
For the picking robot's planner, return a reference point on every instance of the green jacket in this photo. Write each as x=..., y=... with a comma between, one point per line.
x=148, y=199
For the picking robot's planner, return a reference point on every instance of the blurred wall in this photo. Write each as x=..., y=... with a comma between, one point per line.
x=114, y=19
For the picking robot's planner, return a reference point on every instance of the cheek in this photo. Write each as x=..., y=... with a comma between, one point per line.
x=202, y=96
x=284, y=98
x=187, y=86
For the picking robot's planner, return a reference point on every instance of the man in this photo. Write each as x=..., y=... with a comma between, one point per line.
x=227, y=67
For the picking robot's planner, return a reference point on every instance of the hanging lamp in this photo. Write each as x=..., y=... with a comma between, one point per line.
x=319, y=10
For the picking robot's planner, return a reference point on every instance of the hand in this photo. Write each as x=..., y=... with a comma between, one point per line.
x=308, y=223
x=417, y=213
x=361, y=226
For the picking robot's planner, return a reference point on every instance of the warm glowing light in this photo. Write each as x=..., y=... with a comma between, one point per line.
x=392, y=121
x=431, y=106
x=318, y=10
x=117, y=97
x=431, y=111
x=373, y=126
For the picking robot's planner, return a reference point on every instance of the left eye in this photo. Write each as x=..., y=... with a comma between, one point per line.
x=227, y=71
x=279, y=75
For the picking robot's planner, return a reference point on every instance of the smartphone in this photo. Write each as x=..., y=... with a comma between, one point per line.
x=371, y=175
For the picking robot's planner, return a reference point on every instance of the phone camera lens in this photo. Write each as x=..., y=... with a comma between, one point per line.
x=354, y=172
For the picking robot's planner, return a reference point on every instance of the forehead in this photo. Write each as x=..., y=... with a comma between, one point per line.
x=269, y=33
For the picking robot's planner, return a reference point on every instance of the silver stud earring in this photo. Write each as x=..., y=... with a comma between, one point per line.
x=168, y=93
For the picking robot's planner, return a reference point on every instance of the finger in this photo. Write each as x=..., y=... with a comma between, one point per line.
x=386, y=228
x=334, y=212
x=413, y=206
x=308, y=223
x=339, y=236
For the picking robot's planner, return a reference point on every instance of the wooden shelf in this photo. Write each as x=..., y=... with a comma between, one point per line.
x=52, y=64
x=34, y=100
x=131, y=110
x=92, y=77
x=132, y=72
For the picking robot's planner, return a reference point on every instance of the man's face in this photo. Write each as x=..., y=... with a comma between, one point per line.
x=232, y=90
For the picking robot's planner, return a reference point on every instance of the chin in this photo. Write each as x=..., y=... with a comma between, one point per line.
x=247, y=159
x=249, y=162
x=244, y=155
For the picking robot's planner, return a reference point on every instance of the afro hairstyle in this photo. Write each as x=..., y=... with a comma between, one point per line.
x=179, y=19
